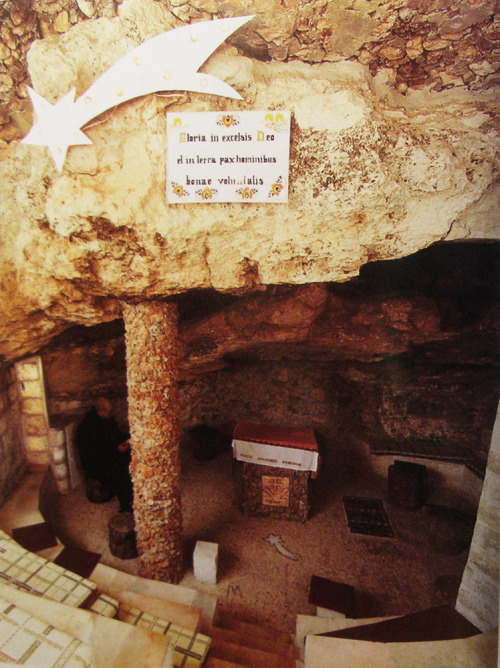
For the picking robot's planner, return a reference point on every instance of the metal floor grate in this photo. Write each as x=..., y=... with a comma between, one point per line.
x=367, y=516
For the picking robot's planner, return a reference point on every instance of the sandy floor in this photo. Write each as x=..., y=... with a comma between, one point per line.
x=261, y=583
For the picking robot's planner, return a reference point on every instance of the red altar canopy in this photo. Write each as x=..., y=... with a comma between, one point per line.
x=274, y=445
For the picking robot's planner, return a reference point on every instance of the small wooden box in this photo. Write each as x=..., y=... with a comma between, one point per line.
x=276, y=466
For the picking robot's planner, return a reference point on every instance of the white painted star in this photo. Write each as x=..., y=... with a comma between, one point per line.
x=54, y=127
x=169, y=61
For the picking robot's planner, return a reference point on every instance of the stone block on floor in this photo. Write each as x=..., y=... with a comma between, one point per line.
x=332, y=599
x=205, y=559
x=35, y=537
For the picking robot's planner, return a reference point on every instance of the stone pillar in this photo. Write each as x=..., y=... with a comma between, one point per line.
x=478, y=597
x=12, y=459
x=153, y=409
x=34, y=410
x=59, y=460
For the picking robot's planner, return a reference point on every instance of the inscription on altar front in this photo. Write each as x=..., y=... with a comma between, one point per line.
x=240, y=156
x=275, y=491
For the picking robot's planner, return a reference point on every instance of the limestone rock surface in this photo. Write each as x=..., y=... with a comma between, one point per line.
x=374, y=174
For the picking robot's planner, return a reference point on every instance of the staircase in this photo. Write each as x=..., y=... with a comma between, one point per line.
x=238, y=644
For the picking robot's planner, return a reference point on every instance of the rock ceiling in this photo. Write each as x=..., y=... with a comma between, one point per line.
x=394, y=146
x=437, y=307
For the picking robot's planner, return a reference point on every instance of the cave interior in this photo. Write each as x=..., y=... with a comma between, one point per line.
x=403, y=359
x=398, y=364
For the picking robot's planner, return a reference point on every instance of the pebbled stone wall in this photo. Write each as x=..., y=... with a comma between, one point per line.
x=153, y=398
x=12, y=456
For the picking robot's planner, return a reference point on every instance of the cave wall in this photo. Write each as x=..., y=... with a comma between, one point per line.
x=441, y=411
x=12, y=454
x=377, y=170
x=78, y=371
x=359, y=411
x=377, y=365
x=419, y=43
x=435, y=413
x=299, y=394
x=295, y=393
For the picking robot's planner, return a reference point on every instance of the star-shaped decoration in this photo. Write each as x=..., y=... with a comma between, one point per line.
x=56, y=126
x=169, y=61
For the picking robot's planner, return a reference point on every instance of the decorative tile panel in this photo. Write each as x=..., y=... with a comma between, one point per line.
x=104, y=605
x=190, y=647
x=34, y=574
x=26, y=639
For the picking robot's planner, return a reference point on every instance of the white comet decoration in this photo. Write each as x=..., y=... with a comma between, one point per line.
x=277, y=541
x=167, y=62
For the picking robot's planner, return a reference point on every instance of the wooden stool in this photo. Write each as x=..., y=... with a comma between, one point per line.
x=121, y=529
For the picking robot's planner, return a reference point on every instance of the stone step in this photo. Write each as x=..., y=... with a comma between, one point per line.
x=477, y=650
x=224, y=620
x=247, y=656
x=154, y=597
x=212, y=662
x=313, y=625
x=253, y=641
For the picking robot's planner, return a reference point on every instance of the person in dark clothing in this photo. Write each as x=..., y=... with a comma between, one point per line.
x=105, y=456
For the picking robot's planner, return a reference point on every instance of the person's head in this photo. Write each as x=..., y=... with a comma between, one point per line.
x=104, y=407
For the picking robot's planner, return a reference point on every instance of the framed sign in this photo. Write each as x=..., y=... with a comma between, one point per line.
x=240, y=156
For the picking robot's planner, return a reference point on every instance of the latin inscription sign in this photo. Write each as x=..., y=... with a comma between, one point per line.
x=239, y=156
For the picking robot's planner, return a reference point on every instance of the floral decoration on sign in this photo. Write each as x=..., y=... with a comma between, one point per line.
x=275, y=121
x=228, y=120
x=179, y=190
x=206, y=193
x=276, y=188
x=247, y=193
